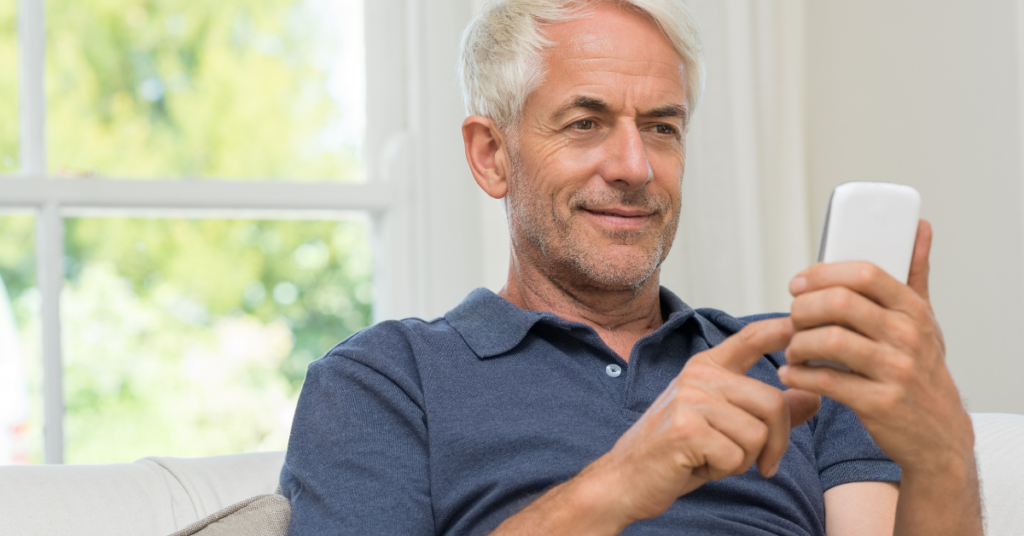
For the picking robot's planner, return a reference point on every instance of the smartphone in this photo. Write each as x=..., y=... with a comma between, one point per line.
x=874, y=222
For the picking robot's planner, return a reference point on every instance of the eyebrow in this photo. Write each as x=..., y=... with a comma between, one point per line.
x=587, y=103
x=671, y=110
x=598, y=105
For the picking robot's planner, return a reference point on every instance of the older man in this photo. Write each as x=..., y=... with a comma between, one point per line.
x=585, y=399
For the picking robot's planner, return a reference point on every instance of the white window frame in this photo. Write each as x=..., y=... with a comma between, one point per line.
x=425, y=236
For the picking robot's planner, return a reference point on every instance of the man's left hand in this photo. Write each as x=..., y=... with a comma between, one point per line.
x=886, y=332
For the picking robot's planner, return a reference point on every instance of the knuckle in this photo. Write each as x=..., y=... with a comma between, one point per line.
x=827, y=379
x=750, y=334
x=839, y=299
x=911, y=338
x=701, y=372
x=733, y=461
x=777, y=403
x=759, y=435
x=917, y=308
x=798, y=343
x=903, y=370
x=867, y=273
x=888, y=401
x=801, y=310
x=686, y=423
x=834, y=339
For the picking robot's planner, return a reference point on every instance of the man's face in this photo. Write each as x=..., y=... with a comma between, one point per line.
x=594, y=195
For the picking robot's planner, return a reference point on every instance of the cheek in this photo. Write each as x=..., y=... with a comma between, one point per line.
x=556, y=174
x=668, y=176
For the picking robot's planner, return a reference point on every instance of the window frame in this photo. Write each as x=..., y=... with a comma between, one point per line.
x=391, y=195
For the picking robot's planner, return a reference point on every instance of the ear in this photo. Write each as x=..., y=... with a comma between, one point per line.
x=487, y=155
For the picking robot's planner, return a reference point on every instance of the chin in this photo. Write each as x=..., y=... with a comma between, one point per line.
x=617, y=272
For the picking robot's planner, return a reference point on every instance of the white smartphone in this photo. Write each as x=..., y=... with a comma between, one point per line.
x=874, y=222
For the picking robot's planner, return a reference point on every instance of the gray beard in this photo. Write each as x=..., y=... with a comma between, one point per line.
x=563, y=254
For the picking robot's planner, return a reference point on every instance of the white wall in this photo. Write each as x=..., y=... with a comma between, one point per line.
x=802, y=96
x=926, y=92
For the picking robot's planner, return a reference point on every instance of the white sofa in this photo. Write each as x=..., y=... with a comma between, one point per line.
x=158, y=496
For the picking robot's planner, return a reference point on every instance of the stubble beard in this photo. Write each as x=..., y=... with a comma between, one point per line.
x=563, y=253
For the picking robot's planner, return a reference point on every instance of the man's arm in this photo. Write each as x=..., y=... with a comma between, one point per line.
x=710, y=423
x=861, y=509
x=356, y=461
x=899, y=387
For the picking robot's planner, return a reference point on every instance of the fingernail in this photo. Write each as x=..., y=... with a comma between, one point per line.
x=797, y=285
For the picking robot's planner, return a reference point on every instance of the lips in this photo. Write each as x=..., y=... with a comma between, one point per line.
x=620, y=212
x=620, y=219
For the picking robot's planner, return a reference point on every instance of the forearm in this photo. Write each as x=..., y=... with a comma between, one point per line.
x=584, y=506
x=937, y=503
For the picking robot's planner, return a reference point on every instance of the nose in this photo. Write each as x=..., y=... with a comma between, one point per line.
x=626, y=157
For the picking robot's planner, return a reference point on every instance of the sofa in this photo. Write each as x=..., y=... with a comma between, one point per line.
x=159, y=496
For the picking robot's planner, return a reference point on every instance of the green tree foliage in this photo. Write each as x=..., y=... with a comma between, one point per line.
x=177, y=88
x=17, y=262
x=191, y=337
x=17, y=275
x=8, y=88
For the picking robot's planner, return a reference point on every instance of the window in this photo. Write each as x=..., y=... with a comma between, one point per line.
x=20, y=376
x=192, y=336
x=196, y=179
x=8, y=89
x=273, y=89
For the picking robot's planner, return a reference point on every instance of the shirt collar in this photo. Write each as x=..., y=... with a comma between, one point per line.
x=491, y=325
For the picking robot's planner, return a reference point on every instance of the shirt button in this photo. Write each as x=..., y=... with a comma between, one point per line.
x=613, y=370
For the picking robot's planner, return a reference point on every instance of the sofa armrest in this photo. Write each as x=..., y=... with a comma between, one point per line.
x=999, y=446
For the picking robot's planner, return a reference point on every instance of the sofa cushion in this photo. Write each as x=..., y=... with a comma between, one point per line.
x=263, y=515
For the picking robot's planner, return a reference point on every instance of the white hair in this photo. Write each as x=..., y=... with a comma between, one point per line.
x=501, y=56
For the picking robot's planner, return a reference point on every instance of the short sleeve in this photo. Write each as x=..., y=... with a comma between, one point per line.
x=845, y=451
x=357, y=459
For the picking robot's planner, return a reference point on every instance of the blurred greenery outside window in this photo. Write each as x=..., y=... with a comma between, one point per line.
x=189, y=337
x=237, y=89
x=8, y=87
x=192, y=337
x=20, y=375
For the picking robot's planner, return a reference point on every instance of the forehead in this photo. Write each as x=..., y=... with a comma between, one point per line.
x=608, y=47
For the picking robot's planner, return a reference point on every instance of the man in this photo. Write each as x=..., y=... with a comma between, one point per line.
x=585, y=399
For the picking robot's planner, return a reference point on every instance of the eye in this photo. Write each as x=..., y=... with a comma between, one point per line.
x=584, y=124
x=665, y=129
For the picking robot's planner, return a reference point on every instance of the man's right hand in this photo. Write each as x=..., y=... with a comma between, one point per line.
x=711, y=422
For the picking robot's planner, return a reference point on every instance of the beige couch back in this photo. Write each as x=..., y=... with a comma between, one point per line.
x=158, y=496
x=150, y=497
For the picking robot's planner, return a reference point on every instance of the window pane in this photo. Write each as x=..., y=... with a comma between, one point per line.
x=8, y=87
x=192, y=337
x=234, y=89
x=21, y=431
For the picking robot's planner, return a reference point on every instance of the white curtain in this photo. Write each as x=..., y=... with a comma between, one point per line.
x=745, y=228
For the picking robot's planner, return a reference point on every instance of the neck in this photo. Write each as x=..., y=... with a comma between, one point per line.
x=620, y=316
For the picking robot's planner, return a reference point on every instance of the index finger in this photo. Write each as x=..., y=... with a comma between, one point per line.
x=861, y=277
x=739, y=352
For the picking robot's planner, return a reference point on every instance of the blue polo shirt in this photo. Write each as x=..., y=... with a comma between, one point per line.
x=449, y=427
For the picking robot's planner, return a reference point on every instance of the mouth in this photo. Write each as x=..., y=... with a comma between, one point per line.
x=620, y=212
x=621, y=218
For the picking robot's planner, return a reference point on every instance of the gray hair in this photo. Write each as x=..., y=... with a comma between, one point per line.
x=501, y=55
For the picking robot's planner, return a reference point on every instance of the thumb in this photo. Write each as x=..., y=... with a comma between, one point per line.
x=919, y=265
x=802, y=405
